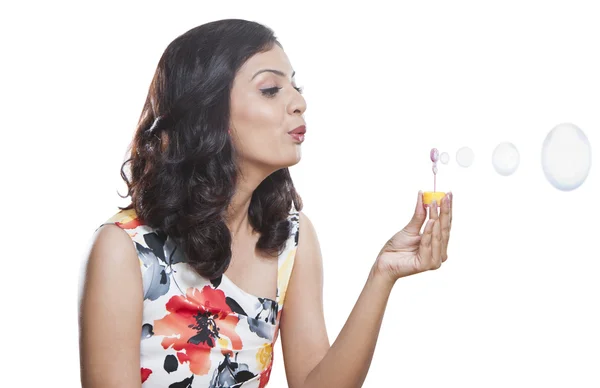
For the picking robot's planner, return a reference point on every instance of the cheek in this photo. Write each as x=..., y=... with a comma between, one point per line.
x=257, y=122
x=260, y=116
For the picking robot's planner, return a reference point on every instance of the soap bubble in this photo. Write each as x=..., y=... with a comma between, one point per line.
x=505, y=159
x=434, y=155
x=464, y=157
x=444, y=158
x=566, y=157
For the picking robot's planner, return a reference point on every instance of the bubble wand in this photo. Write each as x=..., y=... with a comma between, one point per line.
x=429, y=196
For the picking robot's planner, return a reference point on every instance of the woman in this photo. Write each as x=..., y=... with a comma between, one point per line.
x=186, y=286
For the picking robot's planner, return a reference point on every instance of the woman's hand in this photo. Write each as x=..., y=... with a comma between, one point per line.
x=409, y=252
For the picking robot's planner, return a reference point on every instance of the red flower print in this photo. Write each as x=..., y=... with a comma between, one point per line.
x=132, y=224
x=193, y=325
x=145, y=372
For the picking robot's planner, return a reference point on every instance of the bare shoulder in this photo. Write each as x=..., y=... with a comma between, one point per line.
x=110, y=238
x=110, y=311
x=307, y=231
x=111, y=252
x=303, y=217
x=308, y=254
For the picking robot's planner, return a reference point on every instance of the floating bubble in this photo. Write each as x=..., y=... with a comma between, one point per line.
x=464, y=157
x=566, y=157
x=434, y=155
x=444, y=158
x=505, y=159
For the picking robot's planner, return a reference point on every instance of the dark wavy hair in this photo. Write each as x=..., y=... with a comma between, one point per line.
x=182, y=160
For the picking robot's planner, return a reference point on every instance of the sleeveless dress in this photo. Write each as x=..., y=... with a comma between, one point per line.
x=197, y=332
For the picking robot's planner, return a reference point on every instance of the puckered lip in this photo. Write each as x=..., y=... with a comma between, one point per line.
x=301, y=130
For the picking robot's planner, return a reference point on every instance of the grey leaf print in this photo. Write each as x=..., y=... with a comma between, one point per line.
x=263, y=323
x=230, y=374
x=268, y=311
x=156, y=281
x=172, y=253
x=262, y=329
x=163, y=247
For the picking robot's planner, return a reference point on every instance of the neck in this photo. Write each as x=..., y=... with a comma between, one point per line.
x=237, y=214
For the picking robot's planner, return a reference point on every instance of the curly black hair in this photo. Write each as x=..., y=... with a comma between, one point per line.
x=183, y=169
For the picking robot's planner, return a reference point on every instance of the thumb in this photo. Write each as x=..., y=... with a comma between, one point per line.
x=415, y=224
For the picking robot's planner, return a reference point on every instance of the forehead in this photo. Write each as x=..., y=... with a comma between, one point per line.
x=275, y=59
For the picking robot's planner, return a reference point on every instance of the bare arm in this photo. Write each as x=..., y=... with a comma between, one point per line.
x=111, y=313
x=309, y=359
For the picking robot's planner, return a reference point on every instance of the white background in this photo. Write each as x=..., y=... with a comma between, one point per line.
x=516, y=305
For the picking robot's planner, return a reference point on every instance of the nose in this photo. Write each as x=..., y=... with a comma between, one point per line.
x=297, y=105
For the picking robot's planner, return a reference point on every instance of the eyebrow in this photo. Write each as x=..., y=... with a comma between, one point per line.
x=278, y=72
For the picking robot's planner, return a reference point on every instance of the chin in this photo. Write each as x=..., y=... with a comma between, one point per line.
x=295, y=160
x=284, y=160
x=294, y=163
x=288, y=163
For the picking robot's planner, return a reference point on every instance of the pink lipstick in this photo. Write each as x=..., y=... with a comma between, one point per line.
x=298, y=133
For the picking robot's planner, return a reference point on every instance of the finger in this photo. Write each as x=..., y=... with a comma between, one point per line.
x=445, y=225
x=436, y=245
x=425, y=245
x=451, y=202
x=433, y=210
x=418, y=218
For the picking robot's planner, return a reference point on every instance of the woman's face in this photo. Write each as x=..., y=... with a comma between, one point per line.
x=265, y=106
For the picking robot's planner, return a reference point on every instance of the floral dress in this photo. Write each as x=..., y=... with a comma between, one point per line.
x=197, y=332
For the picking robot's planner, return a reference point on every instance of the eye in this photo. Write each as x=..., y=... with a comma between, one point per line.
x=271, y=92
